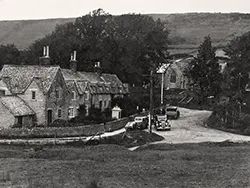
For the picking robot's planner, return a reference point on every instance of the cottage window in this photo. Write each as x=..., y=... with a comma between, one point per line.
x=2, y=92
x=59, y=113
x=105, y=104
x=173, y=77
x=33, y=94
x=100, y=104
x=87, y=109
x=73, y=95
x=71, y=112
x=19, y=120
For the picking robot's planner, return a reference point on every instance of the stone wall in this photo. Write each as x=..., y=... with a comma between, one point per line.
x=51, y=132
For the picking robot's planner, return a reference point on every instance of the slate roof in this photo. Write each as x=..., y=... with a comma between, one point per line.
x=111, y=78
x=104, y=84
x=16, y=106
x=19, y=77
x=81, y=76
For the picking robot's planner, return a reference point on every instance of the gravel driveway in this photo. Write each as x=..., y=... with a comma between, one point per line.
x=190, y=128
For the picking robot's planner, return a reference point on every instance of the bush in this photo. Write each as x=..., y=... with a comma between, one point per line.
x=16, y=126
x=60, y=123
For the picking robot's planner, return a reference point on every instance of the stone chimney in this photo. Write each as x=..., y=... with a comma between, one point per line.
x=98, y=68
x=45, y=59
x=73, y=62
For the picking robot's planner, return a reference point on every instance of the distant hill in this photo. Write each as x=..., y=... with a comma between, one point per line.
x=25, y=32
x=186, y=30
x=190, y=28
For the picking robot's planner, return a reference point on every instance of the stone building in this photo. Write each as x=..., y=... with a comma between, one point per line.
x=44, y=93
x=42, y=87
x=174, y=74
x=92, y=89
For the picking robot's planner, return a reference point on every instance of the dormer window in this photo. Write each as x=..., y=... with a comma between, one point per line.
x=73, y=95
x=33, y=95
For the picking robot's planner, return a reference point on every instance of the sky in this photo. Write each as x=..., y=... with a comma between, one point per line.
x=42, y=9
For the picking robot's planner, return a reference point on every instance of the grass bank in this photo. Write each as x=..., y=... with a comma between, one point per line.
x=162, y=165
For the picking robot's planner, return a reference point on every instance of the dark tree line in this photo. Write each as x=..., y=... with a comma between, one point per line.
x=128, y=45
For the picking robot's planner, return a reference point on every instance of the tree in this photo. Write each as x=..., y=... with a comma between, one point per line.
x=239, y=52
x=127, y=45
x=204, y=71
x=9, y=54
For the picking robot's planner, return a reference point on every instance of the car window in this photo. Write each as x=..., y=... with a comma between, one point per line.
x=171, y=109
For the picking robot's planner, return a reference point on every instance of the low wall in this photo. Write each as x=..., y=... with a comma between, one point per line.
x=51, y=132
x=117, y=124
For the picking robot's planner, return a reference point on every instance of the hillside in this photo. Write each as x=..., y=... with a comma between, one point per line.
x=23, y=33
x=191, y=28
x=186, y=30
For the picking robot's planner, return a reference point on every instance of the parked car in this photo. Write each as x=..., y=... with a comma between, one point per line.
x=162, y=123
x=172, y=112
x=140, y=122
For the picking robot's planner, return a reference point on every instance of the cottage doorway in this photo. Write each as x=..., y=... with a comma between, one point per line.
x=49, y=116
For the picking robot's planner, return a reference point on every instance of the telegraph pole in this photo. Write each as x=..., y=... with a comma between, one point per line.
x=162, y=87
x=151, y=101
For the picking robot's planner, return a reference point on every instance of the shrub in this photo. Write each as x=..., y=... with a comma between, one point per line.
x=16, y=126
x=60, y=123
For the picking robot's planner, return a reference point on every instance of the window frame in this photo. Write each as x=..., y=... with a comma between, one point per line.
x=59, y=113
x=20, y=120
x=73, y=97
x=33, y=94
x=69, y=112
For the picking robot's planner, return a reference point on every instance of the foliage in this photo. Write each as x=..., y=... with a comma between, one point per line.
x=204, y=71
x=127, y=45
x=9, y=54
x=127, y=104
x=239, y=52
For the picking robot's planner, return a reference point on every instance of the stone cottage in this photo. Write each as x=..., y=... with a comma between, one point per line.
x=40, y=94
x=92, y=89
x=41, y=87
x=13, y=110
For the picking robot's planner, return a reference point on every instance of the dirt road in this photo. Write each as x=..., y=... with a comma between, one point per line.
x=190, y=128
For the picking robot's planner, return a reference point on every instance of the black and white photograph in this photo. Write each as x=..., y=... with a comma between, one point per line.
x=124, y=94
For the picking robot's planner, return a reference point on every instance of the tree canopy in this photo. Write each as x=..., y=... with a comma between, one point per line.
x=128, y=45
x=204, y=71
x=9, y=54
x=239, y=52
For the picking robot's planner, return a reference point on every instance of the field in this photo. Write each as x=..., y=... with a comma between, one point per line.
x=105, y=166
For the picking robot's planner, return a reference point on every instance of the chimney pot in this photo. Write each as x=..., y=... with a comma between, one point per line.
x=45, y=59
x=73, y=62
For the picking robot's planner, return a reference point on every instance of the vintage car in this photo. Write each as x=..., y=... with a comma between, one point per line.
x=162, y=123
x=140, y=122
x=172, y=112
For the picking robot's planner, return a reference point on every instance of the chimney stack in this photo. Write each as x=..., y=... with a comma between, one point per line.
x=45, y=59
x=98, y=68
x=73, y=62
